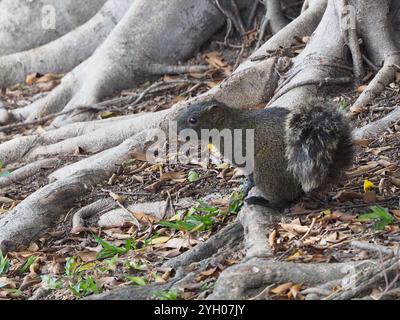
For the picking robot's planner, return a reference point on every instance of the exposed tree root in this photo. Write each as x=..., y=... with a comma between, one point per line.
x=274, y=19
x=112, y=67
x=78, y=220
x=253, y=83
x=374, y=276
x=229, y=236
x=65, y=53
x=384, y=77
x=28, y=171
x=41, y=210
x=18, y=16
x=256, y=222
x=378, y=127
x=261, y=273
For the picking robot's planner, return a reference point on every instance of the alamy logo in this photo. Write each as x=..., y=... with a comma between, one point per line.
x=235, y=146
x=48, y=18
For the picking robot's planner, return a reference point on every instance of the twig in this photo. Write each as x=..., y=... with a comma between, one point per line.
x=350, y=35
x=233, y=17
x=239, y=57
x=372, y=247
x=319, y=83
x=252, y=14
x=161, y=69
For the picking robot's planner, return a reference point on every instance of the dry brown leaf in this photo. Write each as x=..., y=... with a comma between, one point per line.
x=138, y=154
x=294, y=228
x=363, y=142
x=345, y=195
x=87, y=255
x=174, y=176
x=159, y=240
x=377, y=151
x=29, y=281
x=142, y=216
x=6, y=200
x=48, y=86
x=282, y=289
x=362, y=169
x=117, y=197
x=32, y=78
x=361, y=89
x=7, y=283
x=356, y=110
x=294, y=292
x=395, y=182
x=272, y=238
x=369, y=197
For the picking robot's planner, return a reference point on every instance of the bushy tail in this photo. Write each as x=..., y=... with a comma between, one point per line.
x=319, y=144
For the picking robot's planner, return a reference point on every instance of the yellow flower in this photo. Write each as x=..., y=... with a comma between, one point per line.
x=368, y=185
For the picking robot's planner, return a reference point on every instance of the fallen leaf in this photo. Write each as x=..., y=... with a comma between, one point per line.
x=282, y=289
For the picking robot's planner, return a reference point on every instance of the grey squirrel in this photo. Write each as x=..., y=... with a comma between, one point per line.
x=294, y=151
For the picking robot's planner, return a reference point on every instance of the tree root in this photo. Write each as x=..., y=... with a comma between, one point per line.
x=384, y=77
x=112, y=67
x=261, y=273
x=377, y=128
x=370, y=281
x=65, y=53
x=256, y=222
x=40, y=210
x=78, y=220
x=18, y=16
x=28, y=171
x=273, y=18
x=229, y=236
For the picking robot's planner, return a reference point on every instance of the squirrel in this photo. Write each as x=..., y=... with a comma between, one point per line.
x=295, y=151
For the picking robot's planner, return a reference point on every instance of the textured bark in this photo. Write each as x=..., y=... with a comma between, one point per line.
x=18, y=16
x=66, y=52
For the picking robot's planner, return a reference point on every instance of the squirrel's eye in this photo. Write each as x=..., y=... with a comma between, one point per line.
x=193, y=120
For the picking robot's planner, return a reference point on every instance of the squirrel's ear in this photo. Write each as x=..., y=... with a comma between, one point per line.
x=216, y=111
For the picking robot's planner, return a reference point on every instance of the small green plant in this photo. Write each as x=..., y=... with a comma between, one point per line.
x=3, y=173
x=207, y=286
x=135, y=266
x=167, y=295
x=196, y=220
x=110, y=250
x=236, y=202
x=343, y=104
x=4, y=264
x=71, y=267
x=25, y=267
x=192, y=222
x=84, y=287
x=379, y=215
x=136, y=280
x=51, y=283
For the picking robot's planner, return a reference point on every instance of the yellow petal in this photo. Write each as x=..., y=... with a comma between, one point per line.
x=368, y=185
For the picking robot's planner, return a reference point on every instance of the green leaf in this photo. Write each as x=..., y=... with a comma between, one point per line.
x=84, y=287
x=51, y=283
x=137, y=280
x=4, y=264
x=25, y=267
x=167, y=295
x=109, y=250
x=380, y=215
x=193, y=176
x=236, y=202
x=70, y=267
